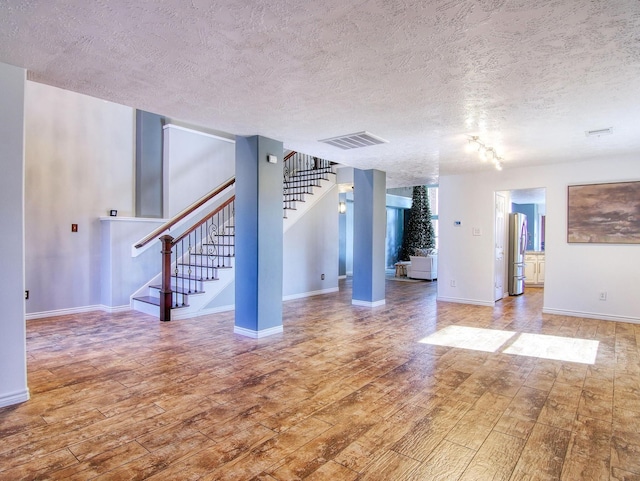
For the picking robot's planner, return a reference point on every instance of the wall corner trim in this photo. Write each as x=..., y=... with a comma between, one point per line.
x=460, y=300
x=591, y=315
x=76, y=310
x=357, y=302
x=12, y=398
x=310, y=294
x=257, y=334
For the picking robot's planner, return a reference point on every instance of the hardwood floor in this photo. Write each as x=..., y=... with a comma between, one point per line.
x=346, y=393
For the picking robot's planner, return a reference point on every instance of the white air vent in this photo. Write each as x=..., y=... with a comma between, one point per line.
x=599, y=132
x=354, y=141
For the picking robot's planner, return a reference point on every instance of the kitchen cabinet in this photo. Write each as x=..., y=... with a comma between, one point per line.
x=534, y=268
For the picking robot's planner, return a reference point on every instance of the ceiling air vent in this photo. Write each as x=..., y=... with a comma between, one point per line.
x=354, y=141
x=599, y=132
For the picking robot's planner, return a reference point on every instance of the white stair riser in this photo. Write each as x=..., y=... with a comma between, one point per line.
x=146, y=308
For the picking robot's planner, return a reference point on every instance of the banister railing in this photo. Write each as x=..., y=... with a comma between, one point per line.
x=196, y=256
x=302, y=172
x=184, y=213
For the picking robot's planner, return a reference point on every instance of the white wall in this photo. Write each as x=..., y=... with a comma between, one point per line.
x=13, y=355
x=79, y=165
x=194, y=164
x=311, y=249
x=121, y=274
x=575, y=273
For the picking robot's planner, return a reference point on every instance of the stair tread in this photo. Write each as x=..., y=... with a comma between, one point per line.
x=195, y=278
x=310, y=173
x=301, y=182
x=155, y=301
x=180, y=290
x=204, y=266
x=148, y=299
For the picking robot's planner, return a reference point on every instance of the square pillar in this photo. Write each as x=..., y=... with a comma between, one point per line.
x=13, y=345
x=259, y=237
x=369, y=232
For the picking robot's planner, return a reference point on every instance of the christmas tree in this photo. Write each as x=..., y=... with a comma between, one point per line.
x=419, y=233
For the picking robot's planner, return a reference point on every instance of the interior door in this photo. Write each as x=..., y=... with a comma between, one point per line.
x=500, y=236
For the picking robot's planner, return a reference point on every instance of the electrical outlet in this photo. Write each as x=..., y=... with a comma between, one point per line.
x=603, y=295
x=453, y=283
x=26, y=295
x=74, y=227
x=322, y=277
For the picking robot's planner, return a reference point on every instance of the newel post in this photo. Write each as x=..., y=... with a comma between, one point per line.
x=165, y=289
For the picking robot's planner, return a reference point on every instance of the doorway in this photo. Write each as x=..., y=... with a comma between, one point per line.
x=532, y=203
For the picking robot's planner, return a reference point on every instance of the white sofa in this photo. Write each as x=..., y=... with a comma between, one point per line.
x=423, y=267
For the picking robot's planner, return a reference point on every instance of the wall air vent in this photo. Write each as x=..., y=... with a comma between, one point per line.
x=354, y=141
x=599, y=132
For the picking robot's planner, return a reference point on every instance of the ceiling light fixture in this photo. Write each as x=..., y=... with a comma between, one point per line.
x=486, y=153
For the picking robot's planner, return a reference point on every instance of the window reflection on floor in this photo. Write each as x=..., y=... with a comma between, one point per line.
x=553, y=347
x=488, y=340
x=557, y=348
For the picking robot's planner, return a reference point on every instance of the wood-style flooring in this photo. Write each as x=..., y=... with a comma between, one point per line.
x=345, y=393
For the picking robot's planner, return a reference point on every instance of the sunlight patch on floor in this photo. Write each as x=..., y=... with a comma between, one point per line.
x=568, y=349
x=487, y=340
x=556, y=348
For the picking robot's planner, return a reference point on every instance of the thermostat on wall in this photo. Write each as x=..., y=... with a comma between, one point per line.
x=272, y=159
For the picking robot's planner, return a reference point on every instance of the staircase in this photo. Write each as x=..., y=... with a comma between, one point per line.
x=199, y=264
x=301, y=174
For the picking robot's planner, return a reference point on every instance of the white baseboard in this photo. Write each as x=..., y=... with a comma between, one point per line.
x=14, y=398
x=357, y=302
x=176, y=314
x=461, y=300
x=591, y=315
x=310, y=294
x=258, y=334
x=114, y=309
x=76, y=310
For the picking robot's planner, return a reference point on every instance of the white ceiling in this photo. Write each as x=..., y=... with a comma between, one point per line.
x=527, y=76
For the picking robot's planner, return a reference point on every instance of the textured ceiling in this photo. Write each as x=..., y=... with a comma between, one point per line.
x=527, y=76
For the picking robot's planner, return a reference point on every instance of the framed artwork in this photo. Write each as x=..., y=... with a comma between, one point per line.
x=604, y=213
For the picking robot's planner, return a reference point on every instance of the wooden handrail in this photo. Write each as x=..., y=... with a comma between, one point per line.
x=289, y=155
x=184, y=213
x=203, y=220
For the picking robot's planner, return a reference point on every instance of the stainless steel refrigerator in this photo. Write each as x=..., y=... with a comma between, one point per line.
x=517, y=247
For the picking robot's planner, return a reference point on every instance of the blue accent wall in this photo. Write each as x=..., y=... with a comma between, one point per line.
x=259, y=234
x=149, y=164
x=369, y=229
x=342, y=238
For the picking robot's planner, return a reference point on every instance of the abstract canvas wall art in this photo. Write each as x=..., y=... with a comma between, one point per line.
x=604, y=213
